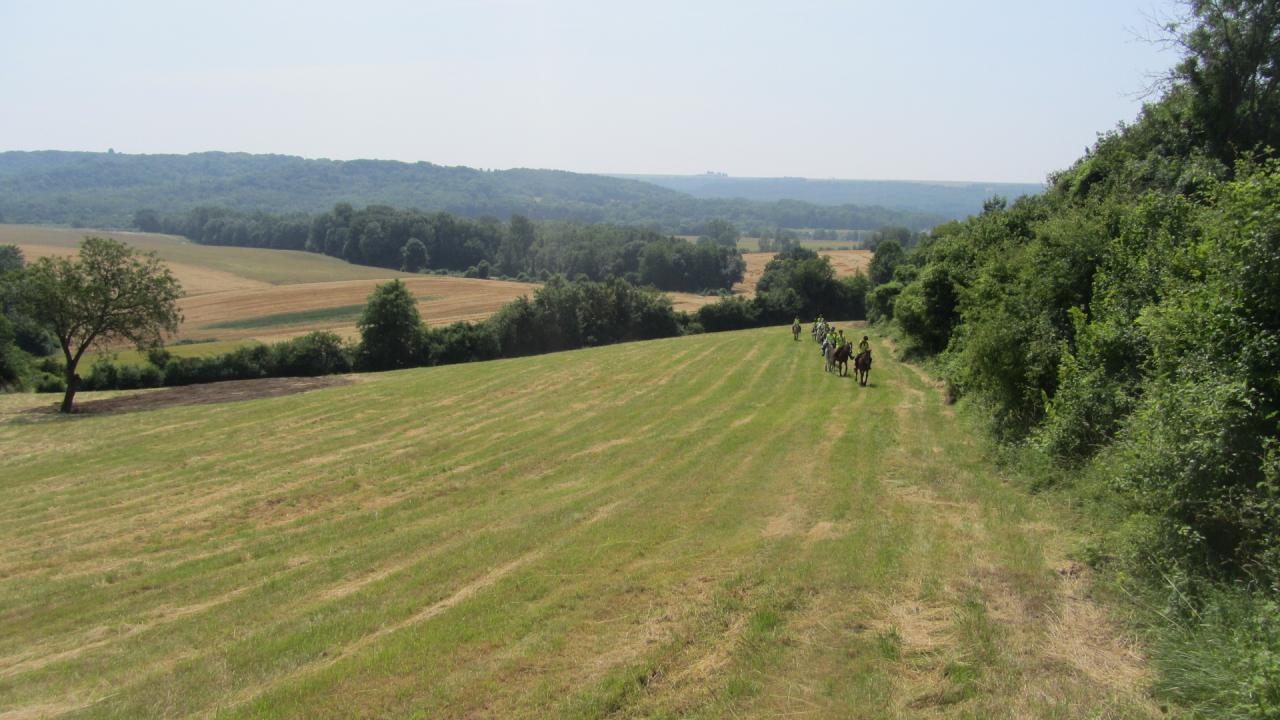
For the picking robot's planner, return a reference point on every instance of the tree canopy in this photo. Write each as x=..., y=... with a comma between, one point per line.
x=107, y=294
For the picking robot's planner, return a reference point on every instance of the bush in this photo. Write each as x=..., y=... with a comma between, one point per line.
x=733, y=313
x=880, y=301
x=50, y=383
x=316, y=353
x=14, y=367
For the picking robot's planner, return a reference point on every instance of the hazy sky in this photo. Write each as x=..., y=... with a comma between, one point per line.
x=911, y=90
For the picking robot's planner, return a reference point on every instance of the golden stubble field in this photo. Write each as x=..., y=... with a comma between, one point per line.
x=269, y=293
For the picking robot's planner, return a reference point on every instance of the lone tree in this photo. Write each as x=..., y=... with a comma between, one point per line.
x=111, y=292
x=414, y=255
x=390, y=328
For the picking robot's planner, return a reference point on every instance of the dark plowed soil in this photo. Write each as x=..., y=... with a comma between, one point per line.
x=206, y=394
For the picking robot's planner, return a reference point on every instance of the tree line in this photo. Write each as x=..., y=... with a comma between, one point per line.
x=521, y=249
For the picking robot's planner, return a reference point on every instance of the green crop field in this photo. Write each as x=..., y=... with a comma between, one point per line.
x=697, y=527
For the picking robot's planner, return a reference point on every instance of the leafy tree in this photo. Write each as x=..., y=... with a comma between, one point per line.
x=513, y=253
x=1232, y=71
x=721, y=232
x=903, y=236
x=888, y=254
x=110, y=292
x=13, y=365
x=413, y=255
x=147, y=220
x=11, y=259
x=390, y=328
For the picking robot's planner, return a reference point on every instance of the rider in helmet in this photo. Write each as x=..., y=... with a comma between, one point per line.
x=865, y=345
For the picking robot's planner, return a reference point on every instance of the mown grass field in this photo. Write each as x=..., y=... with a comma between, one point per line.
x=698, y=527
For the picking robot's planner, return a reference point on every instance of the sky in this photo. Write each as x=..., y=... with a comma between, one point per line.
x=927, y=90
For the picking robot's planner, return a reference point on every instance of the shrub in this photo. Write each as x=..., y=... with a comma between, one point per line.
x=316, y=353
x=880, y=301
x=733, y=313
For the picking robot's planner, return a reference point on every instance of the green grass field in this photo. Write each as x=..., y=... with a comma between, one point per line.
x=699, y=527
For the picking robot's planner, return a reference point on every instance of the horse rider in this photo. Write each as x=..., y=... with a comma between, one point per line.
x=865, y=345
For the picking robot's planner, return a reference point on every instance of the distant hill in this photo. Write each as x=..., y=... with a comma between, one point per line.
x=105, y=189
x=952, y=200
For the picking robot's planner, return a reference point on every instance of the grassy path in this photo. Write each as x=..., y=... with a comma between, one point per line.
x=697, y=527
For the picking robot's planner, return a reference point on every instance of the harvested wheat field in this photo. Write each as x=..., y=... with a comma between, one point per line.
x=631, y=531
x=288, y=310
x=202, y=268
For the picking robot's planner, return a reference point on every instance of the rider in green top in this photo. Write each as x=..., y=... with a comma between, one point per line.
x=865, y=345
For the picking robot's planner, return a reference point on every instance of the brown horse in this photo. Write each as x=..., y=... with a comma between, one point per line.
x=839, y=358
x=862, y=367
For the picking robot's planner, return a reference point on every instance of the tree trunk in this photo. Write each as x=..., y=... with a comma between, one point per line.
x=73, y=384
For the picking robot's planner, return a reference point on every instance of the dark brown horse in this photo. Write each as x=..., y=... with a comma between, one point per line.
x=839, y=359
x=862, y=367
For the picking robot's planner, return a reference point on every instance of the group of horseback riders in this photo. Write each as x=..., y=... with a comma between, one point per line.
x=836, y=349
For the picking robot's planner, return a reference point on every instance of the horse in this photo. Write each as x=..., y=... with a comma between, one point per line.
x=862, y=367
x=840, y=358
x=795, y=331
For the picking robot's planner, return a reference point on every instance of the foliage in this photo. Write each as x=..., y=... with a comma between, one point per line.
x=887, y=256
x=564, y=315
x=1127, y=323
x=11, y=259
x=109, y=293
x=13, y=363
x=413, y=256
x=390, y=328
x=381, y=236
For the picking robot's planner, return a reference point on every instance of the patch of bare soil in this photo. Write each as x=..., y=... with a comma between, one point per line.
x=203, y=394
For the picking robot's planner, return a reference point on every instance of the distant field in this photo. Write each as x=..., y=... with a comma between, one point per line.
x=283, y=311
x=747, y=245
x=235, y=294
x=238, y=294
x=701, y=527
x=845, y=262
x=203, y=268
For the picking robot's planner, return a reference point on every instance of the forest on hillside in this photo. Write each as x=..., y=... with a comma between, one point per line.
x=1122, y=332
x=949, y=200
x=106, y=189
